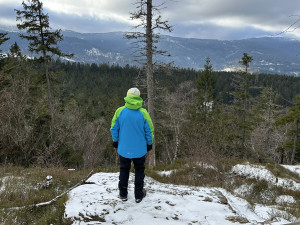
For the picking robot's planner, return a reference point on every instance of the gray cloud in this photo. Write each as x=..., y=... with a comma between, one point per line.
x=219, y=19
x=8, y=15
x=86, y=24
x=210, y=31
x=267, y=14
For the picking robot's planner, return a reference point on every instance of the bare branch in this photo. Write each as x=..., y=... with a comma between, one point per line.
x=288, y=29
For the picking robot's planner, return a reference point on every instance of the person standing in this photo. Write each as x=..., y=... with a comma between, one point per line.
x=132, y=133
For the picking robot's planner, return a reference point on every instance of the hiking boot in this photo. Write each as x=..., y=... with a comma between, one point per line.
x=138, y=200
x=123, y=198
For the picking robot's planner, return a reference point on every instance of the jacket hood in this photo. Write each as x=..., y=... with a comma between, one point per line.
x=133, y=102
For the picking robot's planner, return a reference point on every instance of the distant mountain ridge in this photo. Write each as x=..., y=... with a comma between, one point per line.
x=270, y=54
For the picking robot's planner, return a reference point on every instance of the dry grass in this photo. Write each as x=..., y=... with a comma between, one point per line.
x=282, y=172
x=195, y=172
x=24, y=186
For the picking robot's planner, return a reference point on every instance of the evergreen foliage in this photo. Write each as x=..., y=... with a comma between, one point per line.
x=41, y=39
x=36, y=24
x=205, y=86
x=3, y=38
x=86, y=96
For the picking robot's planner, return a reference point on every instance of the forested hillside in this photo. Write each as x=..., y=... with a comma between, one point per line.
x=270, y=54
x=198, y=113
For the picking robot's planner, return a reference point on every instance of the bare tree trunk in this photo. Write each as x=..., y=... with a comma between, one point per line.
x=49, y=97
x=51, y=148
x=244, y=130
x=295, y=142
x=244, y=115
x=177, y=140
x=150, y=86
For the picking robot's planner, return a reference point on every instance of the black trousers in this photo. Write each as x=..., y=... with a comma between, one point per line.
x=139, y=167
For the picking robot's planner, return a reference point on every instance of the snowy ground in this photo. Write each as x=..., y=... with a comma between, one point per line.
x=295, y=169
x=261, y=173
x=97, y=202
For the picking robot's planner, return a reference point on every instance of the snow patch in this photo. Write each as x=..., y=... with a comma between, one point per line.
x=68, y=59
x=230, y=69
x=243, y=190
x=109, y=55
x=4, y=181
x=166, y=172
x=265, y=63
x=282, y=199
x=203, y=164
x=93, y=52
x=295, y=169
x=97, y=202
x=261, y=173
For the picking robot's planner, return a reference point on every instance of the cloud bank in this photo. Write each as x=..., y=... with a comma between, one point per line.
x=218, y=19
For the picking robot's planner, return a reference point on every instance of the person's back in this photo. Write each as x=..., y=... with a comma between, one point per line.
x=132, y=133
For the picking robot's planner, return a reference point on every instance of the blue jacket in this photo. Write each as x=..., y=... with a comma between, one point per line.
x=132, y=127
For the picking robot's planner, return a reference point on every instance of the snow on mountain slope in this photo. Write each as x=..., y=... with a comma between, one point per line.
x=97, y=202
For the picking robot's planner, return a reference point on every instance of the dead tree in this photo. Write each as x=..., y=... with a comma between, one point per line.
x=146, y=39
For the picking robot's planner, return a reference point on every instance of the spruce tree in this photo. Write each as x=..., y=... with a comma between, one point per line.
x=241, y=83
x=15, y=50
x=42, y=40
x=205, y=86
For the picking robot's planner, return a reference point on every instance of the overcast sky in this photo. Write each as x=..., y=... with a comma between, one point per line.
x=211, y=19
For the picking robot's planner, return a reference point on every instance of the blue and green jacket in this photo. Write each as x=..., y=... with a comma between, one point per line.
x=132, y=127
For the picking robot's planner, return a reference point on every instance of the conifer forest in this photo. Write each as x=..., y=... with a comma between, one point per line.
x=201, y=114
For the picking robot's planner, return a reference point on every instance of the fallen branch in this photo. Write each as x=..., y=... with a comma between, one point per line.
x=57, y=197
